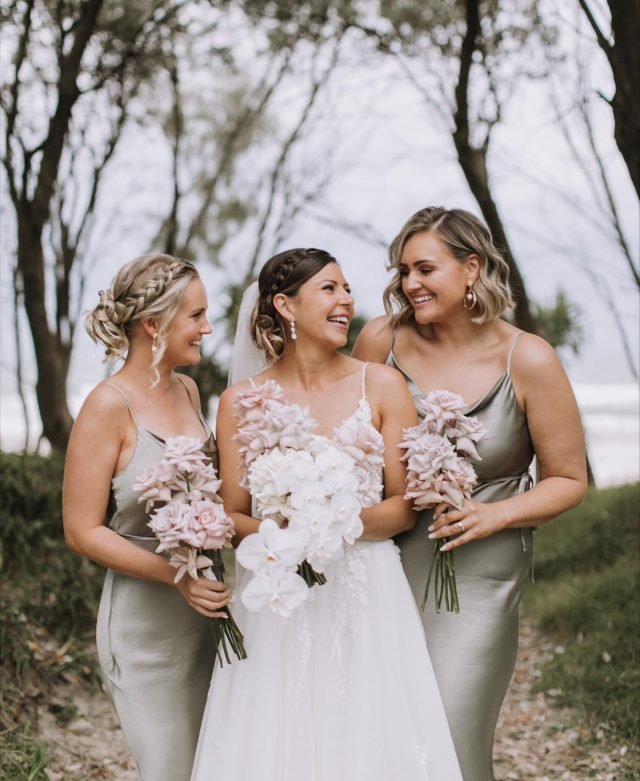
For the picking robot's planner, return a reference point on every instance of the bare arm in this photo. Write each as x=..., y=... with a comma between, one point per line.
x=395, y=411
x=237, y=500
x=101, y=431
x=558, y=440
x=374, y=341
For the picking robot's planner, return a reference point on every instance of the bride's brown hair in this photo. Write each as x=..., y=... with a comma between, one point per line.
x=284, y=273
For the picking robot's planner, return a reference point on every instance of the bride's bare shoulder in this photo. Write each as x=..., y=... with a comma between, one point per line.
x=384, y=378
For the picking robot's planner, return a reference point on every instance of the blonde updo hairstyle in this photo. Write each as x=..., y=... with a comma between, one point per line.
x=464, y=235
x=151, y=286
x=284, y=273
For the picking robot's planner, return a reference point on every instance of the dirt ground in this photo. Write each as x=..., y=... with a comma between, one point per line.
x=535, y=740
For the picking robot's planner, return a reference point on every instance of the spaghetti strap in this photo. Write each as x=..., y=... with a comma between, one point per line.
x=394, y=333
x=126, y=400
x=511, y=349
x=364, y=375
x=188, y=392
x=201, y=417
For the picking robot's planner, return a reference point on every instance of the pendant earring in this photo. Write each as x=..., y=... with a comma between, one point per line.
x=294, y=335
x=470, y=298
x=154, y=343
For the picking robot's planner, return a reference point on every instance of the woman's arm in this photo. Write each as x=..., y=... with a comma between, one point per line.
x=237, y=500
x=393, y=411
x=102, y=429
x=374, y=341
x=558, y=441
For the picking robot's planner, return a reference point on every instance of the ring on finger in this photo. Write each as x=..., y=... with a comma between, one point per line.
x=461, y=526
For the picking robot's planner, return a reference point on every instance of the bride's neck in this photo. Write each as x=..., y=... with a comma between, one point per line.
x=306, y=368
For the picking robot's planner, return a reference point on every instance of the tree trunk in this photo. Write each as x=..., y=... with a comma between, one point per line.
x=473, y=161
x=624, y=57
x=51, y=384
x=32, y=215
x=473, y=164
x=623, y=54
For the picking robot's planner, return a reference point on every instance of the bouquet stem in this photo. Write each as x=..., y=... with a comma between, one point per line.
x=444, y=577
x=225, y=630
x=310, y=576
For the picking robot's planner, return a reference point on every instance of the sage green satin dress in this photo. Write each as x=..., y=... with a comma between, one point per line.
x=155, y=651
x=474, y=652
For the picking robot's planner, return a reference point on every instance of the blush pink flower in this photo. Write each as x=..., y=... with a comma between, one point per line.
x=184, y=453
x=172, y=525
x=201, y=482
x=440, y=407
x=212, y=526
x=155, y=484
x=266, y=422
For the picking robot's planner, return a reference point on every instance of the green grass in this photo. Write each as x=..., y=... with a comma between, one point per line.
x=48, y=603
x=587, y=599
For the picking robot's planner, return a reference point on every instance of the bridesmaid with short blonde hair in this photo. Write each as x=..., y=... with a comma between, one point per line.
x=444, y=330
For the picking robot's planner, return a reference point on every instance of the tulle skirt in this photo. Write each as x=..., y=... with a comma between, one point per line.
x=343, y=690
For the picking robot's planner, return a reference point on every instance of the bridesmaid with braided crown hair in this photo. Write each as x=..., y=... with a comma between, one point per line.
x=154, y=640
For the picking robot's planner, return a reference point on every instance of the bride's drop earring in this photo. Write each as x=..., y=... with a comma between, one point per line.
x=294, y=335
x=154, y=343
x=470, y=299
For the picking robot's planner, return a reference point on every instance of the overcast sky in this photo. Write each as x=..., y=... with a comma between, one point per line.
x=393, y=156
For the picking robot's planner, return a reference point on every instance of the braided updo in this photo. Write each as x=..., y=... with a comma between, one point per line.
x=148, y=286
x=284, y=273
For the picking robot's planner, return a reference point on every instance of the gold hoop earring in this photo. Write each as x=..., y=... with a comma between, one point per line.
x=294, y=335
x=470, y=298
x=154, y=343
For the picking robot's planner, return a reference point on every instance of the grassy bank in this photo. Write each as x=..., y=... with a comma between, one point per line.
x=587, y=599
x=48, y=602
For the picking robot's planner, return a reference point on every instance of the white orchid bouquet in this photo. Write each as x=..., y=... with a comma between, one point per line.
x=191, y=524
x=438, y=472
x=306, y=490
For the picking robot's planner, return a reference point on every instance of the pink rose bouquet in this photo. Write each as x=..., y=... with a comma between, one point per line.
x=191, y=525
x=438, y=472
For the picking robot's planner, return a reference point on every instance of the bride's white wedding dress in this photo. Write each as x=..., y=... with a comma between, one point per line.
x=342, y=690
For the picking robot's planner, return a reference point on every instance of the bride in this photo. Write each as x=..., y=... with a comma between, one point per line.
x=342, y=689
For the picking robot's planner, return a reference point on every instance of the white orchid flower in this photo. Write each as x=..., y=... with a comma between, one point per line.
x=271, y=547
x=282, y=591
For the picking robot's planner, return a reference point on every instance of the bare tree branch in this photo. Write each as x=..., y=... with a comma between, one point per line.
x=613, y=209
x=243, y=121
x=603, y=41
x=318, y=81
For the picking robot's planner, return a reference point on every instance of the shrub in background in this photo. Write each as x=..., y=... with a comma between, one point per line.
x=587, y=599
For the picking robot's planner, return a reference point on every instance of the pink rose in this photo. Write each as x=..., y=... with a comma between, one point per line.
x=212, y=526
x=184, y=453
x=173, y=524
x=155, y=484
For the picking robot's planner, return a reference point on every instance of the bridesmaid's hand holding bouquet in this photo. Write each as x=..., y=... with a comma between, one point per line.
x=191, y=525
